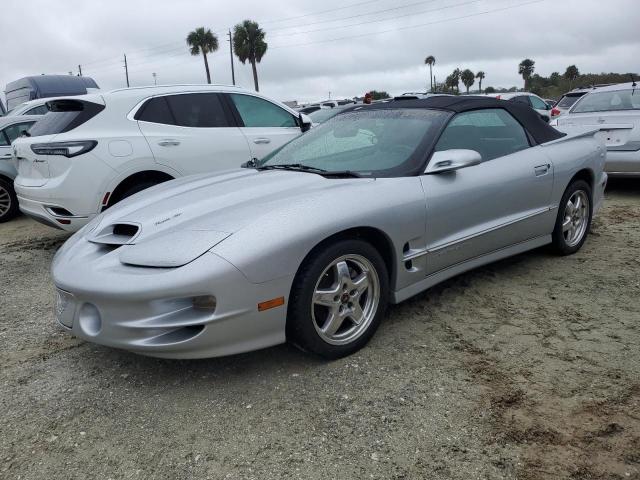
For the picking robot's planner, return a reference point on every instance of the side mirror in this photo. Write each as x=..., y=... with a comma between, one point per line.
x=304, y=121
x=450, y=160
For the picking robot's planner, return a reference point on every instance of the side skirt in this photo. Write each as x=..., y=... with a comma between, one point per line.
x=459, y=268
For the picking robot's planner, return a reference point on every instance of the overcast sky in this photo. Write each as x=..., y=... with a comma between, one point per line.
x=345, y=47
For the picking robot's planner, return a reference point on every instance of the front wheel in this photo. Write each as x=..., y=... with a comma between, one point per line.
x=574, y=218
x=8, y=201
x=338, y=299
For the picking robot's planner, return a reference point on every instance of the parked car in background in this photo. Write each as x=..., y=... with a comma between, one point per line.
x=10, y=129
x=325, y=113
x=47, y=86
x=567, y=100
x=90, y=152
x=308, y=109
x=615, y=109
x=32, y=107
x=527, y=98
x=395, y=197
x=3, y=110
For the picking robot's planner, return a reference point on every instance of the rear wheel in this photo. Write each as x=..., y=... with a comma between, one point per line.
x=8, y=201
x=574, y=218
x=338, y=298
x=132, y=190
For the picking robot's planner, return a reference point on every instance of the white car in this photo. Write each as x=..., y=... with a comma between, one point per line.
x=91, y=151
x=32, y=107
x=615, y=109
x=531, y=99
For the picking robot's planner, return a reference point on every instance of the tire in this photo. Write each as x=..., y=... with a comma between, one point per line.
x=138, y=187
x=331, y=285
x=572, y=226
x=8, y=201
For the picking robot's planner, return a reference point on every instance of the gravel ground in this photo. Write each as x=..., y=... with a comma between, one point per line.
x=526, y=369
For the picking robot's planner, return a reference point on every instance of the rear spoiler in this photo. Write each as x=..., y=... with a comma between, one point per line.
x=579, y=131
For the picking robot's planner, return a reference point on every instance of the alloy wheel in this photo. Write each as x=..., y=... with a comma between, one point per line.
x=576, y=218
x=345, y=299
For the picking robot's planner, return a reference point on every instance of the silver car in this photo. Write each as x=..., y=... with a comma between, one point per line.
x=11, y=127
x=312, y=243
x=615, y=110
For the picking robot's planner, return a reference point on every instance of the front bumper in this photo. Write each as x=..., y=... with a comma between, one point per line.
x=150, y=310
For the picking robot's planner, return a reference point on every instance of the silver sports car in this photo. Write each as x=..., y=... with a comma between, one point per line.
x=310, y=244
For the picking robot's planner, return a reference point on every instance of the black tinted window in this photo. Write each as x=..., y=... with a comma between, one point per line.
x=65, y=115
x=198, y=110
x=492, y=132
x=568, y=100
x=522, y=99
x=156, y=110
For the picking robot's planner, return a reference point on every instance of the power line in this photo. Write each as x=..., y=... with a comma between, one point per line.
x=353, y=16
x=320, y=12
x=348, y=37
x=411, y=14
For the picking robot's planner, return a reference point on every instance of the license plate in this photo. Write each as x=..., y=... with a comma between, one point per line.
x=65, y=308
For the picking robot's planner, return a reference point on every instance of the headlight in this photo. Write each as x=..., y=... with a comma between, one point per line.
x=68, y=149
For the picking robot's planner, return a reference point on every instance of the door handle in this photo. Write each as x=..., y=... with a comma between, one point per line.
x=261, y=141
x=169, y=143
x=542, y=169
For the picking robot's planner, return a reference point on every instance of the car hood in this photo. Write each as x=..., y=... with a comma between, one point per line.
x=173, y=223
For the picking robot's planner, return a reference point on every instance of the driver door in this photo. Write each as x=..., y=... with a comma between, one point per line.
x=500, y=202
x=265, y=125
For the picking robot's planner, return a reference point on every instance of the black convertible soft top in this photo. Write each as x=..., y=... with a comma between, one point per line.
x=528, y=118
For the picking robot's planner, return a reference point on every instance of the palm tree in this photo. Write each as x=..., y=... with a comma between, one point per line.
x=571, y=74
x=468, y=78
x=526, y=68
x=455, y=79
x=203, y=41
x=249, y=44
x=480, y=76
x=431, y=61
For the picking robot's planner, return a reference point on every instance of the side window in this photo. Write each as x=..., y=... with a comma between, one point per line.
x=538, y=103
x=14, y=131
x=39, y=110
x=4, y=141
x=156, y=110
x=491, y=132
x=202, y=110
x=257, y=112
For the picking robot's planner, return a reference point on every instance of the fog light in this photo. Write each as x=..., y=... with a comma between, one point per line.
x=205, y=302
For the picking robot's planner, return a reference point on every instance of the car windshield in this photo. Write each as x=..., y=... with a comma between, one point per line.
x=324, y=114
x=609, y=101
x=369, y=142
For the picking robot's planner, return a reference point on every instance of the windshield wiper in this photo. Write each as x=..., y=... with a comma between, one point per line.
x=292, y=166
x=298, y=167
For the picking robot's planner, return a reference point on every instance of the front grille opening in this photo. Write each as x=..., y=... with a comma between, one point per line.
x=125, y=229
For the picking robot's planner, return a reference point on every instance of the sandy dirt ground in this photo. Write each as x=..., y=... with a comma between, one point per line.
x=525, y=369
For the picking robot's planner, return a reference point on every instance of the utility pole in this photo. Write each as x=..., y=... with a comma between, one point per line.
x=233, y=73
x=155, y=80
x=126, y=69
x=79, y=70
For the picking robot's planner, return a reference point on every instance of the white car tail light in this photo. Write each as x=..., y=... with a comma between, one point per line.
x=67, y=149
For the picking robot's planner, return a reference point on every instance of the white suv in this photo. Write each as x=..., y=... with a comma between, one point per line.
x=91, y=151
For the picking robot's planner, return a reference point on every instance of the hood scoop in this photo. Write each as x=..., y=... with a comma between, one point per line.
x=117, y=234
x=172, y=249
